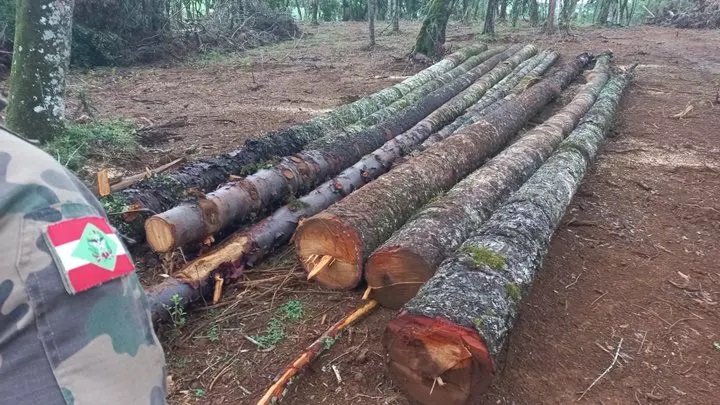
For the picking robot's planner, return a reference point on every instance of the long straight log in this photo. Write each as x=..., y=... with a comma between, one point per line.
x=245, y=248
x=351, y=229
x=160, y=193
x=534, y=69
x=456, y=328
x=295, y=175
x=398, y=268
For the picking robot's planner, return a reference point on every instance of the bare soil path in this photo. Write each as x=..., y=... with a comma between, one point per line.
x=636, y=259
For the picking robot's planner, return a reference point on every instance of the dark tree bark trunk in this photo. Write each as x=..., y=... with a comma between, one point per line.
x=526, y=72
x=431, y=38
x=372, y=4
x=534, y=13
x=194, y=221
x=550, y=25
x=457, y=326
x=566, y=14
x=351, y=229
x=396, y=15
x=502, y=16
x=398, y=268
x=314, y=11
x=489, y=26
x=161, y=193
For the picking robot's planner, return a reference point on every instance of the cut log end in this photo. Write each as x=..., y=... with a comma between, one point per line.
x=329, y=252
x=435, y=361
x=159, y=234
x=395, y=275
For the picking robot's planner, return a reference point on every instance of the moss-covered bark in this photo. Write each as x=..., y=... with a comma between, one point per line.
x=352, y=228
x=469, y=298
x=397, y=269
x=431, y=38
x=161, y=193
x=43, y=31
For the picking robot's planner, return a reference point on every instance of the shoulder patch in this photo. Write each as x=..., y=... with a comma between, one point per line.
x=87, y=252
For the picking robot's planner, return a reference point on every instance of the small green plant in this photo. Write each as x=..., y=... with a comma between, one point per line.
x=296, y=204
x=178, y=316
x=513, y=291
x=328, y=342
x=478, y=323
x=484, y=256
x=213, y=334
x=79, y=142
x=274, y=333
x=254, y=167
x=199, y=392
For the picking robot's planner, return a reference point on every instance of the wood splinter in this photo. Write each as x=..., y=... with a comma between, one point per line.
x=324, y=263
x=217, y=292
x=367, y=293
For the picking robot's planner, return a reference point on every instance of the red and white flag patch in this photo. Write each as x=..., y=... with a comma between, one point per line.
x=87, y=252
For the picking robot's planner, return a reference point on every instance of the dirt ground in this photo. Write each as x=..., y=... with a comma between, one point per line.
x=635, y=260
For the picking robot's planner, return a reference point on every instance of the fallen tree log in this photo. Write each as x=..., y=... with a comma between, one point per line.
x=532, y=70
x=244, y=249
x=160, y=193
x=351, y=229
x=456, y=328
x=398, y=268
x=194, y=221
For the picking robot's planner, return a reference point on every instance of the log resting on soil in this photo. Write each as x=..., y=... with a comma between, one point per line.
x=160, y=193
x=515, y=82
x=398, y=268
x=245, y=248
x=351, y=229
x=456, y=328
x=237, y=201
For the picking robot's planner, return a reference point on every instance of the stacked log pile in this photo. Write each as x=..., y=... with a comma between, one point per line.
x=434, y=192
x=693, y=14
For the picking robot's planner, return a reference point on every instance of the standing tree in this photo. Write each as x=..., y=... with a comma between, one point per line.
x=43, y=31
x=431, y=38
x=566, y=14
x=371, y=18
x=314, y=12
x=395, y=15
x=489, y=27
x=550, y=27
x=534, y=12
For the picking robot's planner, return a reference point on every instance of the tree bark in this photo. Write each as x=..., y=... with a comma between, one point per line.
x=193, y=221
x=534, y=12
x=489, y=25
x=351, y=229
x=457, y=326
x=566, y=14
x=398, y=268
x=161, y=193
x=530, y=70
x=43, y=32
x=314, y=11
x=371, y=20
x=396, y=16
x=431, y=38
x=550, y=26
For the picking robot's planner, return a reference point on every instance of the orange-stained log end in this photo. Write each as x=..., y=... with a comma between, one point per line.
x=395, y=275
x=435, y=361
x=324, y=243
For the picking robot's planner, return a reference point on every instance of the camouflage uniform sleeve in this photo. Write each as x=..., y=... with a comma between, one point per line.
x=96, y=346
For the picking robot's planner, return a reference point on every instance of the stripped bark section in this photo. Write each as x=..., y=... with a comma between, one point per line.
x=398, y=268
x=351, y=229
x=237, y=201
x=530, y=71
x=160, y=193
x=469, y=295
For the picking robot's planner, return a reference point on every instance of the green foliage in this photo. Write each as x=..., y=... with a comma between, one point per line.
x=328, y=342
x=178, y=316
x=213, y=334
x=79, y=142
x=329, y=9
x=93, y=47
x=291, y=311
x=513, y=291
x=7, y=20
x=296, y=204
x=478, y=323
x=199, y=392
x=252, y=168
x=484, y=256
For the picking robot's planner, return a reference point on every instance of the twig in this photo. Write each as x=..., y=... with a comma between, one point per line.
x=642, y=343
x=607, y=370
x=598, y=298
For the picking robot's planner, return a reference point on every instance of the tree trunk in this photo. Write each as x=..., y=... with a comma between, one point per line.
x=550, y=27
x=43, y=31
x=502, y=16
x=517, y=11
x=345, y=10
x=528, y=71
x=534, y=13
x=566, y=14
x=431, y=38
x=314, y=11
x=396, y=16
x=193, y=221
x=297, y=6
x=489, y=26
x=371, y=20
x=456, y=328
x=398, y=268
x=161, y=193
x=351, y=229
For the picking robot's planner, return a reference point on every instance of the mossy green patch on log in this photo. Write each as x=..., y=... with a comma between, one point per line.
x=484, y=256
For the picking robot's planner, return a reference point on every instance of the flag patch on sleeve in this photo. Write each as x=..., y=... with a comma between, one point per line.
x=87, y=252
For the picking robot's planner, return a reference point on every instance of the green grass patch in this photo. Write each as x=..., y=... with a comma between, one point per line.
x=484, y=256
x=80, y=142
x=291, y=311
